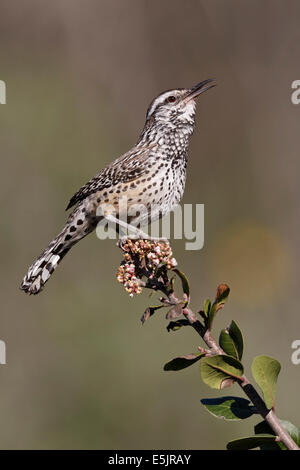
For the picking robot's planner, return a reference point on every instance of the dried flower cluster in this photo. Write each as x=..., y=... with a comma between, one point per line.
x=126, y=276
x=142, y=258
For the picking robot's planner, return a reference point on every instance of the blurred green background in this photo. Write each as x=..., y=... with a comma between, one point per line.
x=81, y=370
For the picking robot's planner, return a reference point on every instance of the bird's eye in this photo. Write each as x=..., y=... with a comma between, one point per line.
x=171, y=99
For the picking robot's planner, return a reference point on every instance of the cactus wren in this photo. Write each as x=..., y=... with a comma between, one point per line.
x=152, y=173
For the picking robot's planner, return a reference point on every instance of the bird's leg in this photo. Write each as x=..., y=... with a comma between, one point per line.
x=124, y=234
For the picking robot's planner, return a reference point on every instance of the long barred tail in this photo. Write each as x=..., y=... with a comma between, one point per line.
x=78, y=226
x=41, y=270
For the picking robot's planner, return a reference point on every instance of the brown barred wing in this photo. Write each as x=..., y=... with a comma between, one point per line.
x=125, y=169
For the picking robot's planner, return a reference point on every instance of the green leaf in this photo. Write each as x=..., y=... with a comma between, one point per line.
x=184, y=281
x=293, y=431
x=220, y=300
x=227, y=344
x=149, y=312
x=216, y=370
x=182, y=362
x=265, y=371
x=236, y=334
x=231, y=340
x=229, y=408
x=251, y=442
x=176, y=325
x=263, y=427
x=207, y=305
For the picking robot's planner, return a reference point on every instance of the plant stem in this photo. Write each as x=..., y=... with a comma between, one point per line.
x=268, y=415
x=164, y=285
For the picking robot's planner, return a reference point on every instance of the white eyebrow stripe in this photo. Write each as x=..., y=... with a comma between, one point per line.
x=159, y=100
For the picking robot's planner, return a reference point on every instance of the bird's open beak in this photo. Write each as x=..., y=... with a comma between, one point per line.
x=199, y=88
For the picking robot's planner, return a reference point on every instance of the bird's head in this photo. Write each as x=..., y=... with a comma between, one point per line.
x=176, y=107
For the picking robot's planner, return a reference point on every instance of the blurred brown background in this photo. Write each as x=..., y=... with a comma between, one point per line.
x=81, y=371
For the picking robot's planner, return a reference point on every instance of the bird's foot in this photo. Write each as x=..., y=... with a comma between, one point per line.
x=139, y=235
